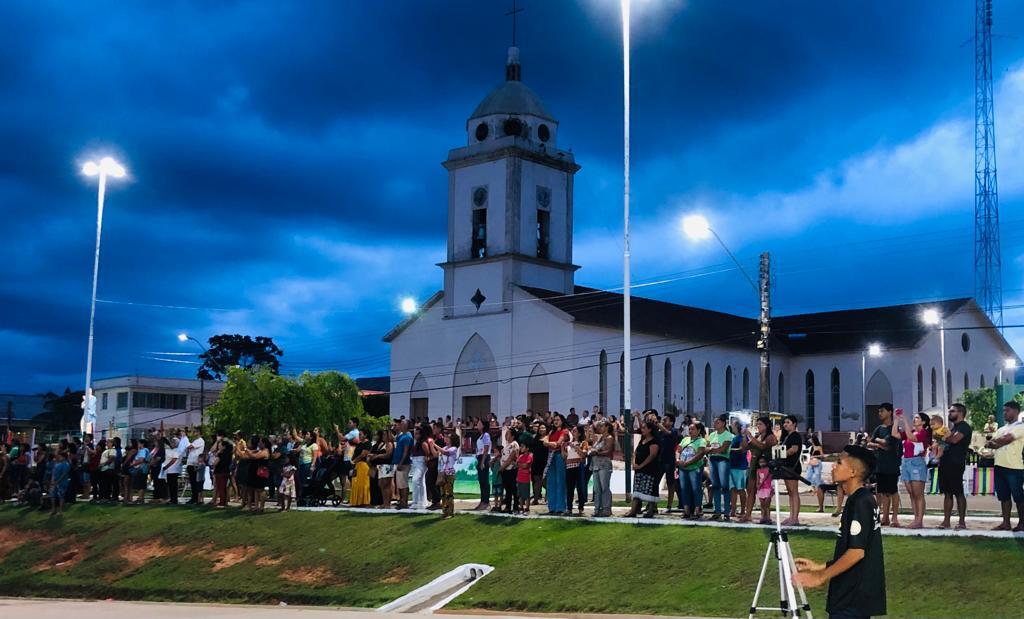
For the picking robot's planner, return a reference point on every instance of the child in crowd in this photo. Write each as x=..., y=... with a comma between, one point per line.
x=939, y=434
x=286, y=492
x=764, y=488
x=497, y=490
x=523, y=477
x=60, y=478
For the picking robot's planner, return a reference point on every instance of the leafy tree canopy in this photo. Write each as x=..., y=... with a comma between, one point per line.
x=243, y=351
x=980, y=404
x=258, y=401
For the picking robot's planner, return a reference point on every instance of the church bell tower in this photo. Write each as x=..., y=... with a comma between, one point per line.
x=509, y=202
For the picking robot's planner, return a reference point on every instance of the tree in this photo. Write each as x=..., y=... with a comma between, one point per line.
x=258, y=401
x=242, y=350
x=62, y=412
x=980, y=404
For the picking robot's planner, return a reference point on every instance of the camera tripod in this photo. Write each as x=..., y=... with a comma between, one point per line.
x=788, y=590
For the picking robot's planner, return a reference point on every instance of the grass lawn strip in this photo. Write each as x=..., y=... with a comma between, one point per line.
x=542, y=565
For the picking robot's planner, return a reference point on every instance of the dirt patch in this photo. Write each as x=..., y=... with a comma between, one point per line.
x=12, y=539
x=315, y=576
x=228, y=557
x=268, y=561
x=134, y=555
x=396, y=576
x=63, y=558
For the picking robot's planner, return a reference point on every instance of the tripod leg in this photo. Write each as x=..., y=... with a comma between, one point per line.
x=760, y=580
x=804, y=605
x=787, y=567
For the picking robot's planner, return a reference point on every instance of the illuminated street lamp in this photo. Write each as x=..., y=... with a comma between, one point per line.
x=1008, y=364
x=106, y=167
x=873, y=350
x=408, y=306
x=184, y=337
x=933, y=318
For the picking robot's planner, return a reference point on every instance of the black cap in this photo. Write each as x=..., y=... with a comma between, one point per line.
x=863, y=454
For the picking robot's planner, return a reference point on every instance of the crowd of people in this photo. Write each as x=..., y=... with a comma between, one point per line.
x=558, y=463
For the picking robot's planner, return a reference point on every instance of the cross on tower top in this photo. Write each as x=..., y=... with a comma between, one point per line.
x=514, y=14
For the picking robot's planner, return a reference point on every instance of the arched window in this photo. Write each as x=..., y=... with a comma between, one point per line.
x=782, y=393
x=728, y=388
x=689, y=387
x=935, y=391
x=809, y=395
x=746, y=388
x=836, y=408
x=981, y=381
x=667, y=404
x=602, y=382
x=622, y=384
x=949, y=386
x=920, y=389
x=707, y=391
x=967, y=382
x=648, y=383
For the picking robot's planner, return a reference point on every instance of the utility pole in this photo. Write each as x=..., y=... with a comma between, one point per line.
x=764, y=397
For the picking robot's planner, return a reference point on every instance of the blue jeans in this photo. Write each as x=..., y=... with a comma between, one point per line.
x=720, y=483
x=556, y=483
x=691, y=492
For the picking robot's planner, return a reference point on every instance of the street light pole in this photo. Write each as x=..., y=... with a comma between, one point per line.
x=698, y=228
x=932, y=317
x=184, y=337
x=106, y=167
x=627, y=397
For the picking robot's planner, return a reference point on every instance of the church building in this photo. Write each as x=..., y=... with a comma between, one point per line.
x=510, y=330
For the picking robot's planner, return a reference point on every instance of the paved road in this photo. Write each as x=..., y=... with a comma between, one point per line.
x=62, y=609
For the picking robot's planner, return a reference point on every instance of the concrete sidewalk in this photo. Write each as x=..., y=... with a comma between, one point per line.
x=84, y=609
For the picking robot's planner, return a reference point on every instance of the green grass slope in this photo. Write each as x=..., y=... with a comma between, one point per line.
x=202, y=555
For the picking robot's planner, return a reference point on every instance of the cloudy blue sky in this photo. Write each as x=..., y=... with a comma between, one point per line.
x=286, y=179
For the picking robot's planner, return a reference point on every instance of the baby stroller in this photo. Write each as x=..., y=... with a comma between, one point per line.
x=320, y=489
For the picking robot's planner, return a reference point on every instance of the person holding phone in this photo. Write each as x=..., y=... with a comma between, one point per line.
x=889, y=453
x=914, y=469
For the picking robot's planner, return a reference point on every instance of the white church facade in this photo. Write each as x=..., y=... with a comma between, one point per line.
x=510, y=330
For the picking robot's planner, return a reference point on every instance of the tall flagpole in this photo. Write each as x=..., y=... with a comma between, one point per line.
x=626, y=344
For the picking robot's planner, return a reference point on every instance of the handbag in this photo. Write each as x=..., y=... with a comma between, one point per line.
x=263, y=472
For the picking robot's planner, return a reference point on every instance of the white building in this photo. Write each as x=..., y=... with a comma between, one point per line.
x=142, y=402
x=510, y=331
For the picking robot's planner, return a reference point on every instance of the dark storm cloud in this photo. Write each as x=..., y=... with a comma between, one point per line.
x=276, y=148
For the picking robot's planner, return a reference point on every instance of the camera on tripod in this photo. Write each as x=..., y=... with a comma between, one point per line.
x=777, y=460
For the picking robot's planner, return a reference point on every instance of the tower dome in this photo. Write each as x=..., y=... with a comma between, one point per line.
x=513, y=96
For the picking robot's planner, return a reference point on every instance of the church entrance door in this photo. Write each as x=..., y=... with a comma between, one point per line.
x=538, y=403
x=418, y=408
x=476, y=406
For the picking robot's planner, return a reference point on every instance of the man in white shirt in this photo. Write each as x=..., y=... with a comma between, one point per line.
x=1007, y=443
x=172, y=468
x=193, y=450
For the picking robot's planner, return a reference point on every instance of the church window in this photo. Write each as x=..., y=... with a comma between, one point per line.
x=543, y=133
x=707, y=391
x=965, y=342
x=809, y=394
x=543, y=233
x=782, y=392
x=967, y=382
x=981, y=381
x=667, y=403
x=479, y=246
x=689, y=387
x=622, y=384
x=920, y=389
x=836, y=393
x=481, y=132
x=648, y=383
x=746, y=388
x=949, y=386
x=602, y=382
x=728, y=388
x=513, y=126
x=935, y=393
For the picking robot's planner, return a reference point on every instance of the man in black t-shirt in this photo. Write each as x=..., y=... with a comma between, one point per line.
x=888, y=457
x=952, y=465
x=856, y=573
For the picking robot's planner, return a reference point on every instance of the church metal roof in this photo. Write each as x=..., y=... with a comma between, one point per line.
x=512, y=97
x=894, y=327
